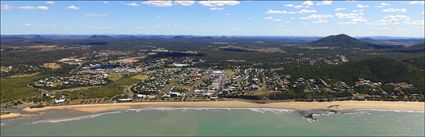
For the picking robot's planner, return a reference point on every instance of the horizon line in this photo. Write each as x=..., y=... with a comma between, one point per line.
x=213, y=35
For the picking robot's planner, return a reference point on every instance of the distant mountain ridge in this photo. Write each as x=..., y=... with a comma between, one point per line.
x=342, y=41
x=345, y=41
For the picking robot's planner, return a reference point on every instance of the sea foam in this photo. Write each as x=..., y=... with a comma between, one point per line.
x=398, y=111
x=260, y=110
x=74, y=118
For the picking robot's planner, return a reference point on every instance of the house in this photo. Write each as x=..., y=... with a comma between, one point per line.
x=60, y=101
x=175, y=94
x=125, y=100
x=140, y=96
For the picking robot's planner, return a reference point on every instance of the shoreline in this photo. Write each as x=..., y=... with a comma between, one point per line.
x=342, y=105
x=14, y=115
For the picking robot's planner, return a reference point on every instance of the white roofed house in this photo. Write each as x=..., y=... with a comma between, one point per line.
x=60, y=101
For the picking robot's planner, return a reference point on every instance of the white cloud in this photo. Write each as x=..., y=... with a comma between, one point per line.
x=50, y=2
x=216, y=8
x=325, y=2
x=72, y=7
x=382, y=5
x=418, y=23
x=227, y=14
x=308, y=3
x=317, y=18
x=356, y=17
x=402, y=10
x=302, y=11
x=133, y=4
x=358, y=20
x=33, y=8
x=157, y=3
x=359, y=11
x=99, y=27
x=6, y=7
x=305, y=11
x=268, y=18
x=9, y=7
x=348, y=15
x=96, y=15
x=339, y=9
x=277, y=20
x=305, y=4
x=278, y=12
x=394, y=19
x=289, y=5
x=423, y=12
x=219, y=3
x=416, y=2
x=298, y=6
x=362, y=6
x=272, y=19
x=185, y=2
x=39, y=25
x=354, y=21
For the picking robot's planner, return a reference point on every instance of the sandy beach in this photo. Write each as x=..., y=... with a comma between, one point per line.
x=14, y=115
x=416, y=106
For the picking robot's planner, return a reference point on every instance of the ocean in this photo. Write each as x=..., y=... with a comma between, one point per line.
x=219, y=122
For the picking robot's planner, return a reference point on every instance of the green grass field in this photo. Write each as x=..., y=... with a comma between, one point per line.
x=115, y=76
x=127, y=80
x=140, y=77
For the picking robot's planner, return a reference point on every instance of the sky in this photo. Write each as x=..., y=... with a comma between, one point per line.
x=215, y=18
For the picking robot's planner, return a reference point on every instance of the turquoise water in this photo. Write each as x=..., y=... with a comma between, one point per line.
x=236, y=122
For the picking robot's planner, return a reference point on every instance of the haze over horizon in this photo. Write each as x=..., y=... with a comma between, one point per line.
x=214, y=18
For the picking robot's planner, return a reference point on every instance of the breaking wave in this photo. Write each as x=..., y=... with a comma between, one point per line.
x=260, y=110
x=75, y=118
x=398, y=111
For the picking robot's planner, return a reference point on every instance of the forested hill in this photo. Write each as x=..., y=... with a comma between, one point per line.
x=376, y=69
x=344, y=41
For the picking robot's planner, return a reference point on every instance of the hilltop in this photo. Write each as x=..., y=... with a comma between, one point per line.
x=343, y=41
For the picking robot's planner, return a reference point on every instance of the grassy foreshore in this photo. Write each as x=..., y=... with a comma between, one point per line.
x=417, y=106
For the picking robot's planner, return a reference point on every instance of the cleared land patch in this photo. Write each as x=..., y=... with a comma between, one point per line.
x=115, y=76
x=140, y=77
x=52, y=65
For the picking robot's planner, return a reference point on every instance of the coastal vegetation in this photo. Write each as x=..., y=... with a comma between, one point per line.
x=13, y=88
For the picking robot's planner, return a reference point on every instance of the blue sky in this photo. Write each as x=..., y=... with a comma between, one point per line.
x=243, y=18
